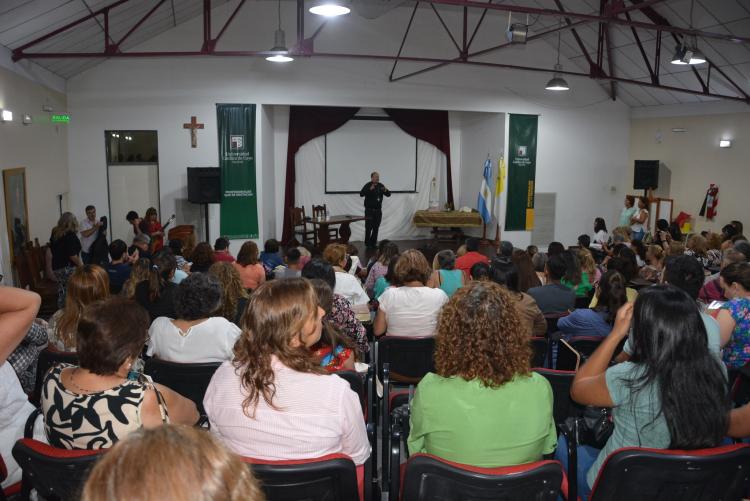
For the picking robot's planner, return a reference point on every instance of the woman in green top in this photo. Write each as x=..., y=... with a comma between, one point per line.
x=574, y=278
x=628, y=211
x=484, y=407
x=445, y=277
x=387, y=280
x=671, y=357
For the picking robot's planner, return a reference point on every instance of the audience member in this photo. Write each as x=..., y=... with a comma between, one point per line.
x=539, y=260
x=639, y=220
x=233, y=295
x=386, y=251
x=292, y=265
x=139, y=272
x=87, y=285
x=652, y=271
x=445, y=275
x=353, y=264
x=221, y=250
x=555, y=248
x=347, y=285
x=628, y=211
x=195, y=336
x=506, y=249
x=675, y=232
x=662, y=236
x=639, y=249
x=713, y=241
x=179, y=274
x=734, y=316
x=589, y=270
x=252, y=273
x=527, y=277
x=584, y=241
x=171, y=463
x=88, y=231
x=202, y=258
x=334, y=350
x=188, y=245
x=135, y=222
x=601, y=237
x=389, y=279
x=729, y=231
x=266, y=403
x=341, y=315
x=410, y=309
x=461, y=251
x=697, y=247
x=621, y=234
x=676, y=248
x=176, y=246
x=597, y=321
x=65, y=247
x=532, y=250
x=111, y=335
x=482, y=378
x=26, y=355
x=480, y=271
x=472, y=256
x=652, y=404
x=119, y=267
x=141, y=244
x=554, y=297
x=156, y=293
x=18, y=308
x=507, y=274
x=574, y=278
x=270, y=258
x=712, y=289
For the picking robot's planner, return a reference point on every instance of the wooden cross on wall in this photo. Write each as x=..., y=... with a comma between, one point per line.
x=193, y=126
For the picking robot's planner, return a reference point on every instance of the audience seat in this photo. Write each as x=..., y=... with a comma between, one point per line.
x=56, y=474
x=640, y=474
x=48, y=358
x=551, y=319
x=563, y=406
x=583, y=346
x=357, y=384
x=189, y=380
x=328, y=478
x=11, y=490
x=539, y=346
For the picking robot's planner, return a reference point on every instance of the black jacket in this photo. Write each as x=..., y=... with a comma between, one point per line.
x=374, y=197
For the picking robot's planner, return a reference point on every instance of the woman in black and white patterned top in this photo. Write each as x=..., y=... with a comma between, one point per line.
x=94, y=405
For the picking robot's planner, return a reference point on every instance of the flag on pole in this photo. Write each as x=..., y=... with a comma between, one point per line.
x=484, y=199
x=499, y=186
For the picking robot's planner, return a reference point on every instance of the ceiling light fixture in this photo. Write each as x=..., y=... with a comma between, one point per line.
x=687, y=51
x=6, y=116
x=725, y=143
x=329, y=8
x=557, y=82
x=279, y=49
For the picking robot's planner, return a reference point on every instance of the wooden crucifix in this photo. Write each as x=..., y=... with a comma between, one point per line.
x=193, y=126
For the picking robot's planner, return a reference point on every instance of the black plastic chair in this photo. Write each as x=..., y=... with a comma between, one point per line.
x=539, y=345
x=563, y=406
x=189, y=380
x=328, y=478
x=428, y=478
x=47, y=359
x=583, y=346
x=640, y=474
x=357, y=384
x=56, y=474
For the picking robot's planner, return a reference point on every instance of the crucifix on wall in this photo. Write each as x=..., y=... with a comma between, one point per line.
x=193, y=126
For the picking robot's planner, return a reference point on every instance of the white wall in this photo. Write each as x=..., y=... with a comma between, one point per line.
x=42, y=148
x=695, y=159
x=583, y=137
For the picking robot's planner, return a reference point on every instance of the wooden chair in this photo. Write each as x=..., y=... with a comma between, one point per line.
x=319, y=212
x=42, y=284
x=299, y=225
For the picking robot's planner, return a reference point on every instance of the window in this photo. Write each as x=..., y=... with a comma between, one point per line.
x=131, y=146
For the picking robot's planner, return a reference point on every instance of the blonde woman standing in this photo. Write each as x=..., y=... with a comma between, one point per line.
x=65, y=247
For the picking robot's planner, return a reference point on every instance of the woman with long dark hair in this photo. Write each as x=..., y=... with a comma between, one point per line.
x=527, y=278
x=601, y=237
x=597, y=321
x=671, y=394
x=157, y=292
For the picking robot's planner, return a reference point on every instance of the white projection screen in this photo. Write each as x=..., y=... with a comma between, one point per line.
x=363, y=145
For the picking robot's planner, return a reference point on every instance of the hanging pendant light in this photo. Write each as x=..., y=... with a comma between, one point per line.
x=279, y=49
x=688, y=53
x=557, y=82
x=329, y=8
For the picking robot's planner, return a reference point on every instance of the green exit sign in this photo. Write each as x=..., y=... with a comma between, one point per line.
x=61, y=118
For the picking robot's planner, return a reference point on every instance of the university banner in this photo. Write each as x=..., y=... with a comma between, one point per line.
x=519, y=212
x=239, y=201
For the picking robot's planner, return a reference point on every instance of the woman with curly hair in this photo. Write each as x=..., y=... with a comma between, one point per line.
x=234, y=296
x=274, y=401
x=484, y=406
x=252, y=273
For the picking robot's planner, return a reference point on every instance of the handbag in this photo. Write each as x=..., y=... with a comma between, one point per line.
x=594, y=427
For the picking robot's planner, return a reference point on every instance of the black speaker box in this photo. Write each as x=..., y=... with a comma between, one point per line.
x=204, y=185
x=646, y=174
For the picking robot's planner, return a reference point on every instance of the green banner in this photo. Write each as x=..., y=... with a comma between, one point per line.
x=519, y=211
x=239, y=200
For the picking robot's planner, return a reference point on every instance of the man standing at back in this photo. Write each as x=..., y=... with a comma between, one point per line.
x=373, y=192
x=89, y=231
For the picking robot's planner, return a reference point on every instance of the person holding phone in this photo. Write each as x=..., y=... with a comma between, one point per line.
x=373, y=192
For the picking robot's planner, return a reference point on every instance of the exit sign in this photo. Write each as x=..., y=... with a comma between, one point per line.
x=61, y=118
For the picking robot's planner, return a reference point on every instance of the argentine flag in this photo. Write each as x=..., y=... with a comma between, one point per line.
x=484, y=200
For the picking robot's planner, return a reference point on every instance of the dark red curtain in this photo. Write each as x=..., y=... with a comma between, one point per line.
x=430, y=126
x=307, y=123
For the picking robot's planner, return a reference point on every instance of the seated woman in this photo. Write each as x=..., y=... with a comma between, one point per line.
x=252, y=273
x=532, y=318
x=484, y=406
x=170, y=463
x=156, y=293
x=527, y=277
x=139, y=273
x=274, y=401
x=597, y=321
x=202, y=258
x=347, y=285
x=446, y=277
x=94, y=405
x=387, y=280
x=412, y=308
x=233, y=294
x=341, y=315
x=87, y=284
x=588, y=267
x=334, y=350
x=697, y=246
x=386, y=251
x=654, y=264
x=734, y=316
x=574, y=278
x=195, y=336
x=669, y=342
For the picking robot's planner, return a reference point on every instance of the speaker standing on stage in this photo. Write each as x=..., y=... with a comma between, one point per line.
x=373, y=193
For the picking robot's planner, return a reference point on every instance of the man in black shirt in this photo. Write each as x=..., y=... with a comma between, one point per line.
x=373, y=193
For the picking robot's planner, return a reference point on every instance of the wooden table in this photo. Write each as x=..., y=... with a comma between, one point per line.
x=447, y=223
x=343, y=222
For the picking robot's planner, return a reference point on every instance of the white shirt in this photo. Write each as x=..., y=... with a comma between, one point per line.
x=412, y=311
x=86, y=242
x=350, y=287
x=601, y=237
x=639, y=226
x=209, y=341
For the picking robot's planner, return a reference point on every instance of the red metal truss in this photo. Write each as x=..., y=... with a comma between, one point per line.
x=611, y=12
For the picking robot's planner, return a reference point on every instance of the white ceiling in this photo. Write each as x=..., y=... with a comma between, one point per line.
x=22, y=21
